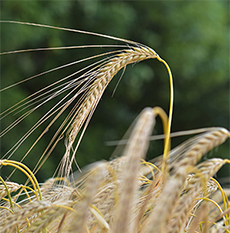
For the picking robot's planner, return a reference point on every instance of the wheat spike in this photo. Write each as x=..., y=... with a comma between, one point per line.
x=178, y=153
x=12, y=187
x=81, y=216
x=106, y=201
x=175, y=184
x=193, y=189
x=102, y=78
x=207, y=142
x=43, y=220
x=19, y=216
x=134, y=151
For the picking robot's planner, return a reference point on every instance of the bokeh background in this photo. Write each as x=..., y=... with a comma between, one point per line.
x=192, y=36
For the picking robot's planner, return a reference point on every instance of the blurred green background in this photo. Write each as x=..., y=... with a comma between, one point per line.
x=192, y=36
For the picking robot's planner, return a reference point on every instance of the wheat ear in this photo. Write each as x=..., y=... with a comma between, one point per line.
x=207, y=142
x=134, y=151
x=81, y=216
x=11, y=186
x=102, y=78
x=19, y=217
x=44, y=219
x=175, y=184
x=107, y=197
x=193, y=189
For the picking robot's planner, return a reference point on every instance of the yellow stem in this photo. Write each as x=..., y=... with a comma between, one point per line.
x=23, y=168
x=225, y=199
x=8, y=193
x=167, y=137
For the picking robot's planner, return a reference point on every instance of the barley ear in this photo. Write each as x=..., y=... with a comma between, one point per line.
x=103, y=76
x=193, y=189
x=175, y=184
x=80, y=217
x=134, y=151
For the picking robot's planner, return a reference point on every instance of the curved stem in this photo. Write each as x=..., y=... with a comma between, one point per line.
x=167, y=137
x=8, y=193
x=27, y=172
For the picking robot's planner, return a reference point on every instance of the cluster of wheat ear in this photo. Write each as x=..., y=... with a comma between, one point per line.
x=172, y=193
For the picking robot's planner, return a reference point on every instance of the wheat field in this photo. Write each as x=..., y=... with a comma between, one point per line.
x=175, y=192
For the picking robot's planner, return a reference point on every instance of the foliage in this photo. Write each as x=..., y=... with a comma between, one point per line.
x=191, y=35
